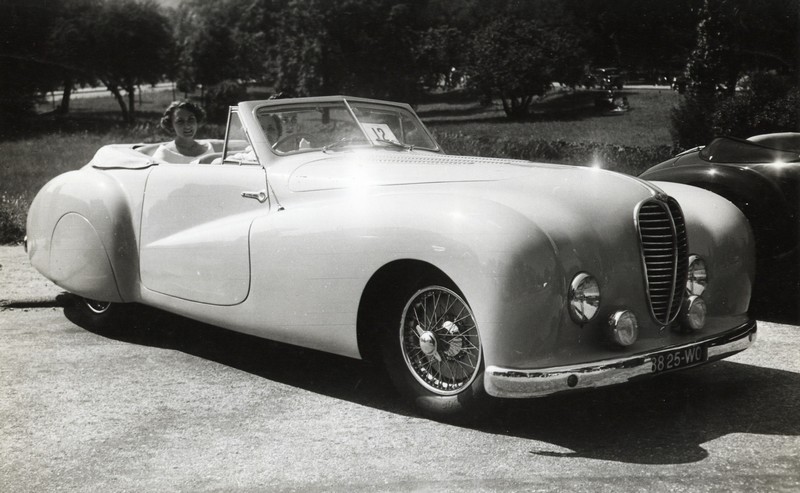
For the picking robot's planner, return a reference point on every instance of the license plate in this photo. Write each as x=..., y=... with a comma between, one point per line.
x=679, y=358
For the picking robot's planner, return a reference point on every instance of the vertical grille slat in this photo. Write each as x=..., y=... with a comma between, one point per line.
x=662, y=231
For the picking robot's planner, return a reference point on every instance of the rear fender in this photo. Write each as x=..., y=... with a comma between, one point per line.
x=80, y=235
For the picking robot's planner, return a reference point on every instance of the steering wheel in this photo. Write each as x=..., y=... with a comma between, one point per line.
x=298, y=137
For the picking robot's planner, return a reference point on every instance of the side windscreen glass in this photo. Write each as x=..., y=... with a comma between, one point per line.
x=237, y=147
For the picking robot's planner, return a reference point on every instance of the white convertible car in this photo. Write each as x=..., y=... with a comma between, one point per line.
x=339, y=224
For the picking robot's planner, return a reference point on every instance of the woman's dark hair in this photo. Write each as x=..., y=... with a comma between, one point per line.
x=166, y=120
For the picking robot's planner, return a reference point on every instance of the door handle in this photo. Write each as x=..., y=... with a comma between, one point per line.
x=261, y=195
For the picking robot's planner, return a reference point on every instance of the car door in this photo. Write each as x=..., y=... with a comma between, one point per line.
x=194, y=241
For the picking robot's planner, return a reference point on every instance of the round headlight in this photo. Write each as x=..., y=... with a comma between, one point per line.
x=698, y=276
x=694, y=313
x=584, y=298
x=623, y=327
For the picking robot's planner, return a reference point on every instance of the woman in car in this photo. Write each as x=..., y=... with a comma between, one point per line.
x=182, y=118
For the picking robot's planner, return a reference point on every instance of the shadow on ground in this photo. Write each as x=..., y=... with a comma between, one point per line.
x=665, y=420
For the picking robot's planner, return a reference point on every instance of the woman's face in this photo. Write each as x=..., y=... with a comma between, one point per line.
x=272, y=130
x=184, y=123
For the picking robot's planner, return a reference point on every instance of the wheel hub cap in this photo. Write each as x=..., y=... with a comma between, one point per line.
x=427, y=342
x=439, y=341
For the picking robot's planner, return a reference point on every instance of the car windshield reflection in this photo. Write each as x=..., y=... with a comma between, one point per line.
x=730, y=150
x=337, y=125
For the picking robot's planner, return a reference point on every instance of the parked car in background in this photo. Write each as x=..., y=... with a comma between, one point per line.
x=679, y=83
x=761, y=176
x=607, y=78
x=339, y=224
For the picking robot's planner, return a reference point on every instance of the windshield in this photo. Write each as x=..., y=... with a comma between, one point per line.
x=728, y=150
x=336, y=125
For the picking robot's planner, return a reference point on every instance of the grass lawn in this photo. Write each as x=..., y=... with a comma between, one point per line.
x=564, y=127
x=570, y=117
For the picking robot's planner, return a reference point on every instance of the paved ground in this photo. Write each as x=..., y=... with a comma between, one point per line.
x=179, y=406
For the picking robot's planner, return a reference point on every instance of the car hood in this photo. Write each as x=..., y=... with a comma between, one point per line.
x=587, y=213
x=381, y=168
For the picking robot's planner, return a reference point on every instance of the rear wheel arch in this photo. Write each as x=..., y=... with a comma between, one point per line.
x=79, y=260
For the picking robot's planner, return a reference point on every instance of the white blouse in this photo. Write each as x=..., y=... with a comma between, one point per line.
x=168, y=153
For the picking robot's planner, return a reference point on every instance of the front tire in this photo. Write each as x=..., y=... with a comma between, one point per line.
x=433, y=353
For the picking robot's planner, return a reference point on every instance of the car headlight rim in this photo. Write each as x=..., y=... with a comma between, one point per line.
x=623, y=328
x=584, y=298
x=697, y=276
x=694, y=313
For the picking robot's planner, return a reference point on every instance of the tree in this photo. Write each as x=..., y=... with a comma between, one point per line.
x=71, y=46
x=133, y=45
x=440, y=49
x=653, y=37
x=767, y=35
x=716, y=100
x=297, y=57
x=25, y=71
x=225, y=40
x=360, y=47
x=709, y=69
x=519, y=59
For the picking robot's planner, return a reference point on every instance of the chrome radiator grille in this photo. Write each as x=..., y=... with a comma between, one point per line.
x=665, y=254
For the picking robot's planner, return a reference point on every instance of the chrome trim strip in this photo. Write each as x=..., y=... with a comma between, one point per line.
x=506, y=382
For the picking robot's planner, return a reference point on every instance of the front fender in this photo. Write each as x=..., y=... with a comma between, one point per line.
x=505, y=266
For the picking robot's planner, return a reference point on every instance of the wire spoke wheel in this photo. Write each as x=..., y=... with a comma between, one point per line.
x=439, y=340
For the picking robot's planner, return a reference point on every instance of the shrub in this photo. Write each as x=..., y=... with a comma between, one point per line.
x=765, y=103
x=12, y=220
x=624, y=159
x=691, y=122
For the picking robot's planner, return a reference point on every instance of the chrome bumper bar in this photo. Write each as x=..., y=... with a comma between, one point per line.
x=504, y=382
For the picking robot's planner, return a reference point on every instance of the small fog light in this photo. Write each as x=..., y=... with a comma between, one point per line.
x=698, y=276
x=583, y=298
x=623, y=327
x=693, y=314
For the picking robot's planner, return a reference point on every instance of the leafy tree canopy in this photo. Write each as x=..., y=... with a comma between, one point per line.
x=519, y=59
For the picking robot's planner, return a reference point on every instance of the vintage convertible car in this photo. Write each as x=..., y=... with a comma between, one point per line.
x=761, y=176
x=338, y=223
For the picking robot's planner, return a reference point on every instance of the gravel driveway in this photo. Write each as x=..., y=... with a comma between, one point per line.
x=174, y=405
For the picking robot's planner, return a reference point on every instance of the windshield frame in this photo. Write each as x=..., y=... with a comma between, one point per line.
x=260, y=109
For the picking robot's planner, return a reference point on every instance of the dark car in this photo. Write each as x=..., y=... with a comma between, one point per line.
x=761, y=176
x=607, y=78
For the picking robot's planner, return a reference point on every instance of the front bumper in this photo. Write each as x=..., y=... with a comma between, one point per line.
x=504, y=382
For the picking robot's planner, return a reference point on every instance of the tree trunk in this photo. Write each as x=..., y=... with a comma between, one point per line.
x=63, y=109
x=131, y=89
x=120, y=100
